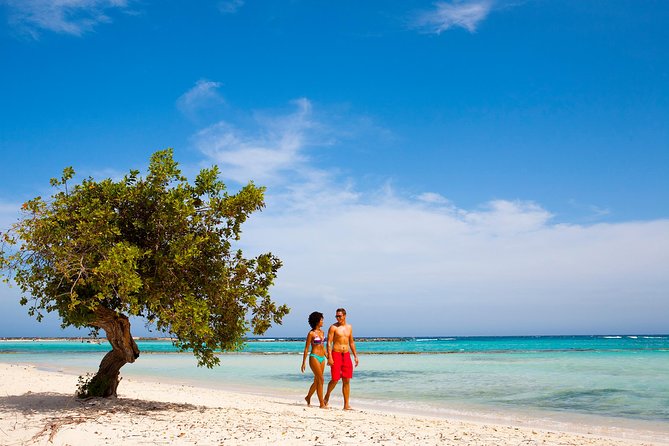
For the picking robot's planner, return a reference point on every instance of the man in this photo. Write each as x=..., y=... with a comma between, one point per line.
x=340, y=345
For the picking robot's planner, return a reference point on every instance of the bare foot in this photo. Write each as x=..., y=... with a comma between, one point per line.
x=348, y=408
x=308, y=400
x=324, y=406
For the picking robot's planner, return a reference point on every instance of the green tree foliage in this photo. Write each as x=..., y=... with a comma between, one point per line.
x=157, y=247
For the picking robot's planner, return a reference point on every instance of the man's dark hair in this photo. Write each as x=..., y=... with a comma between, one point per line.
x=342, y=310
x=314, y=318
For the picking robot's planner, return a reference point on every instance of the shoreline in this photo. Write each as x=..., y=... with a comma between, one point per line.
x=152, y=411
x=563, y=421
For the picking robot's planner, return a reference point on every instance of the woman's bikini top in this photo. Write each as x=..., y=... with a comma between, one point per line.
x=316, y=340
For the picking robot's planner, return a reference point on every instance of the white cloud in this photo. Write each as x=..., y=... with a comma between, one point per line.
x=204, y=94
x=445, y=270
x=422, y=265
x=74, y=17
x=463, y=14
x=507, y=217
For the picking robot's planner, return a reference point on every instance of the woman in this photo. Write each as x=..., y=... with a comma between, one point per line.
x=317, y=358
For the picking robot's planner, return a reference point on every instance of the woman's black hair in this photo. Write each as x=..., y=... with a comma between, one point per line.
x=314, y=318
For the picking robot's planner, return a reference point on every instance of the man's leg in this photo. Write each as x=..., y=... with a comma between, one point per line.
x=335, y=370
x=346, y=390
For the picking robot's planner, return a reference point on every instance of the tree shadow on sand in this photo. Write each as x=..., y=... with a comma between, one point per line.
x=59, y=403
x=61, y=410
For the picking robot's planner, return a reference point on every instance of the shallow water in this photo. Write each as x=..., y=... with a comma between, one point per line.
x=614, y=378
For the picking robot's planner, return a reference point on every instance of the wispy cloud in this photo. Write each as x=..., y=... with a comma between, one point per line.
x=74, y=17
x=204, y=94
x=271, y=151
x=432, y=197
x=230, y=6
x=381, y=253
x=445, y=15
x=594, y=212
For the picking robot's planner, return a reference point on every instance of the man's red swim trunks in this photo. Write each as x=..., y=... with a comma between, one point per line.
x=342, y=366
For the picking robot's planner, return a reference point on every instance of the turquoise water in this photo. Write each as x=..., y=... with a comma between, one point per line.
x=389, y=345
x=618, y=377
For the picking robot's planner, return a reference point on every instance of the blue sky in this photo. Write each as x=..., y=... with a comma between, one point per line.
x=438, y=168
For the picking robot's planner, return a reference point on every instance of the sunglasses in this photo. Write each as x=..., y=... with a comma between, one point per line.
x=339, y=315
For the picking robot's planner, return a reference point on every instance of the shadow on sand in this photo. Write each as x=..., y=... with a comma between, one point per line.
x=57, y=403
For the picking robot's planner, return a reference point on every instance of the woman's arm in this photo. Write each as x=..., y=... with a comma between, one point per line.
x=306, y=350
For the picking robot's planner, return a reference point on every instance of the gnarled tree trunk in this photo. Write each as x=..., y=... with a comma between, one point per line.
x=124, y=350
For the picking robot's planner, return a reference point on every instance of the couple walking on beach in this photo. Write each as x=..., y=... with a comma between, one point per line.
x=336, y=350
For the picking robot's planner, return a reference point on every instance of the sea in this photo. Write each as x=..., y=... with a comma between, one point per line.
x=620, y=381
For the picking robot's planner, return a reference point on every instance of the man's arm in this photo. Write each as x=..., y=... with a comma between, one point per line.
x=352, y=344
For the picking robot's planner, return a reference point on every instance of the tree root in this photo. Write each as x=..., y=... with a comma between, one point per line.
x=53, y=426
x=93, y=409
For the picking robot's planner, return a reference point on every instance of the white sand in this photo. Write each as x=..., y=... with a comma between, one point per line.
x=38, y=407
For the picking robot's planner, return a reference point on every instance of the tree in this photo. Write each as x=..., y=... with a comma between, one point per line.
x=157, y=247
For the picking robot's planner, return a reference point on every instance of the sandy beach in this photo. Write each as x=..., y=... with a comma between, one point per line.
x=38, y=408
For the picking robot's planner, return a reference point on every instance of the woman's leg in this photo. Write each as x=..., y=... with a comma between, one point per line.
x=312, y=389
x=317, y=367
